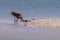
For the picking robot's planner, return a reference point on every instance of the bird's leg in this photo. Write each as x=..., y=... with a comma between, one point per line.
x=15, y=21
x=24, y=22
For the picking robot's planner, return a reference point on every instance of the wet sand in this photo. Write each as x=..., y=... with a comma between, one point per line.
x=20, y=32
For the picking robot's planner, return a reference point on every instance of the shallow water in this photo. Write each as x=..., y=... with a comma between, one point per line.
x=19, y=32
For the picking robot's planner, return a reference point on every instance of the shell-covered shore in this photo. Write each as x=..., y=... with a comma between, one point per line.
x=45, y=22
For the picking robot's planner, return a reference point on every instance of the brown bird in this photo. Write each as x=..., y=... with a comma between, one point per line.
x=18, y=16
